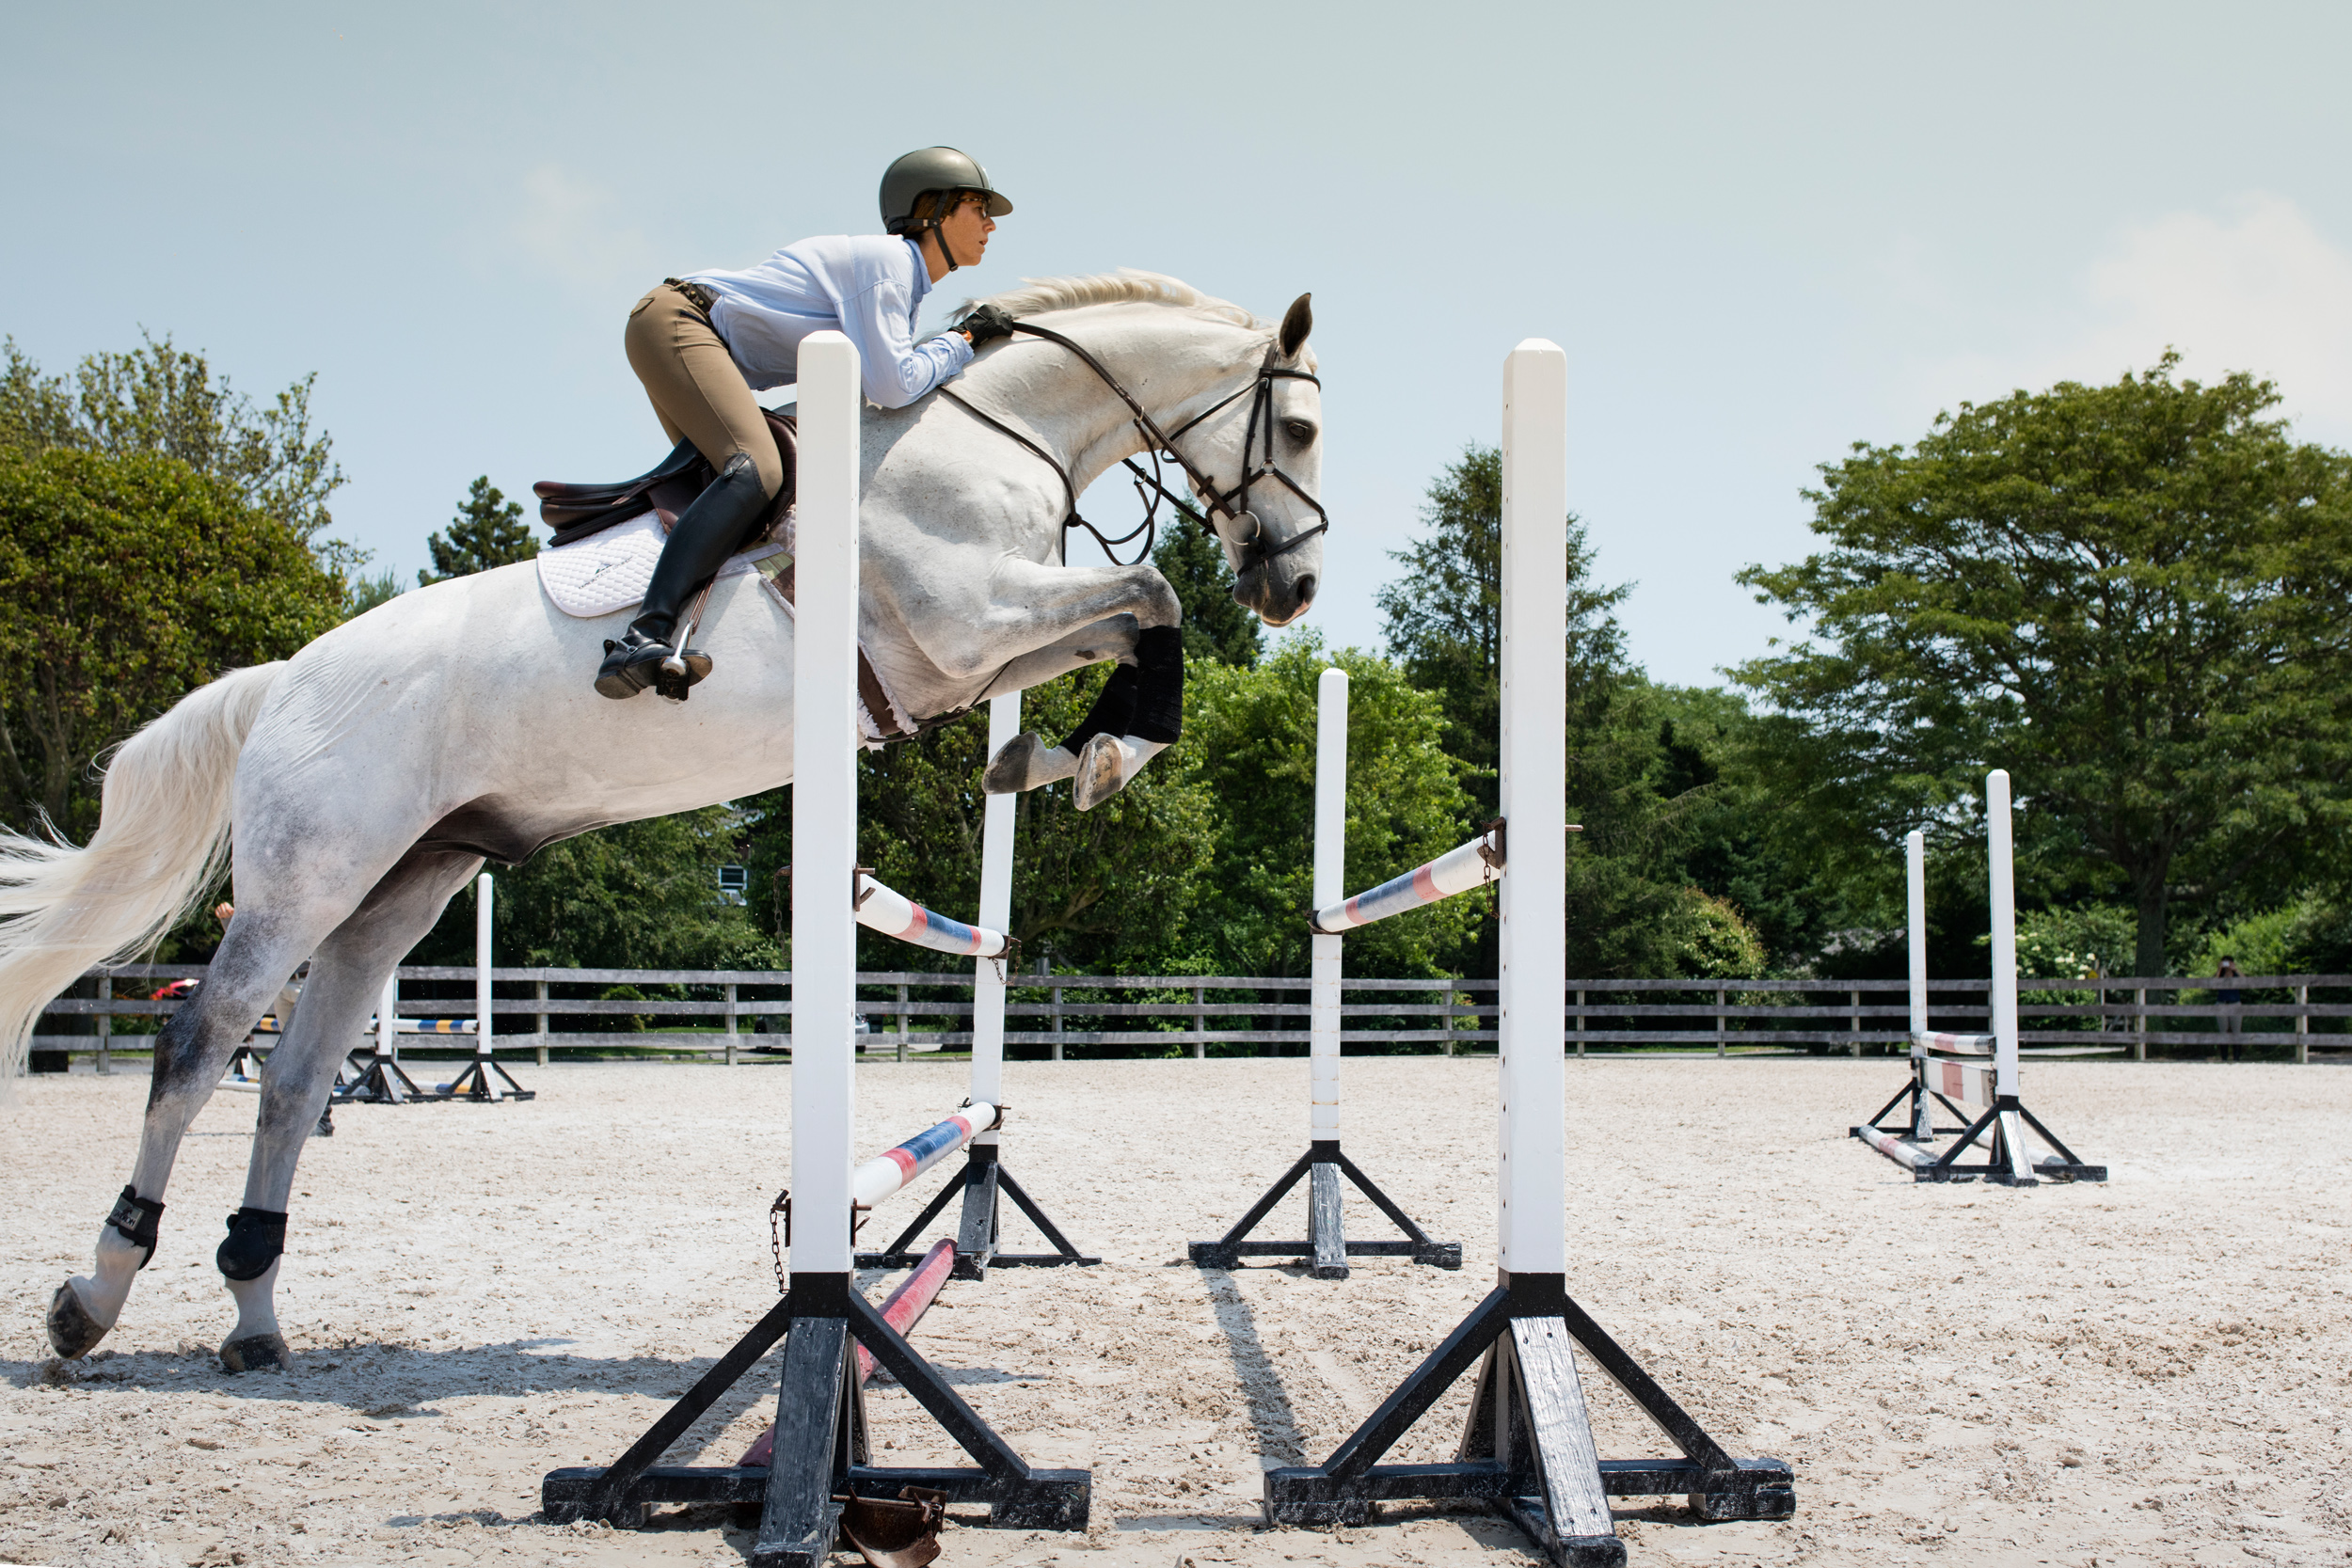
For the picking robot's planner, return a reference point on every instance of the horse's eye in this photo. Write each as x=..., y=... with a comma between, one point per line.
x=1298, y=431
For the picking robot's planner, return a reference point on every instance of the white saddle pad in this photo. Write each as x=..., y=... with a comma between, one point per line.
x=609, y=571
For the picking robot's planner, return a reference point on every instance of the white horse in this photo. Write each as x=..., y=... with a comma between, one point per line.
x=365, y=780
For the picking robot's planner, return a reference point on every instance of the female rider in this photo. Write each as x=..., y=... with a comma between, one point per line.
x=703, y=344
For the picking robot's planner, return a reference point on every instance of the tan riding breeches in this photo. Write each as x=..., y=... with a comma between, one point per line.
x=697, y=393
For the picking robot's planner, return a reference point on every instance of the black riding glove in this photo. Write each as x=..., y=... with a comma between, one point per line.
x=986, y=325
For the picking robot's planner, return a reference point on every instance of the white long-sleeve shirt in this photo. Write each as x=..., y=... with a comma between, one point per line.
x=866, y=286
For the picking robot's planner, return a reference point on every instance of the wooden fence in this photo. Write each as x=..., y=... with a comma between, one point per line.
x=910, y=1012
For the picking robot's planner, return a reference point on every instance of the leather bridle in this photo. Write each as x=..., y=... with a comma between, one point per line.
x=1248, y=534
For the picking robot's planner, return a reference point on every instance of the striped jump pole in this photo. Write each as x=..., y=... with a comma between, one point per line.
x=820, y=1422
x=483, y=1075
x=894, y=914
x=1975, y=1077
x=1327, y=1247
x=985, y=1180
x=1528, y=1448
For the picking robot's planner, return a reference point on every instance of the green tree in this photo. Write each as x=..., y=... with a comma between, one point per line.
x=1216, y=628
x=487, y=531
x=636, y=895
x=1443, y=617
x=162, y=400
x=125, y=581
x=2133, y=597
x=1249, y=739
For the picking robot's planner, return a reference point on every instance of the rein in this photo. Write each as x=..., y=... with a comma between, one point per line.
x=1234, y=505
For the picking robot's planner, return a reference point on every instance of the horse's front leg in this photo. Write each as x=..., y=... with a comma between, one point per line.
x=347, y=978
x=1056, y=618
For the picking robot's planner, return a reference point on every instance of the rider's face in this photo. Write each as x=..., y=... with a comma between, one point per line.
x=965, y=231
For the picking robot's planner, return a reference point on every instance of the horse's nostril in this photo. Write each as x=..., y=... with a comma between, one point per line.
x=1306, y=590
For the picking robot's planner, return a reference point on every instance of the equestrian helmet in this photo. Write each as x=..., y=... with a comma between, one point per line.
x=933, y=168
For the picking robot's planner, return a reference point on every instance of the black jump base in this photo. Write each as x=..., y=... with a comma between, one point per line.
x=984, y=1178
x=821, y=1452
x=1326, y=1247
x=1527, y=1450
x=2000, y=1130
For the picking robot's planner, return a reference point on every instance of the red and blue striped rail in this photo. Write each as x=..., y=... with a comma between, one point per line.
x=894, y=914
x=886, y=1173
x=1473, y=864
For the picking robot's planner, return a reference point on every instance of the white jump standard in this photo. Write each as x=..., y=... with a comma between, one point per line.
x=1326, y=1246
x=1528, y=1449
x=820, y=1450
x=1979, y=1071
x=985, y=1177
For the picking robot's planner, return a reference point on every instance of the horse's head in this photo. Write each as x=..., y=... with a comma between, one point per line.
x=1270, y=441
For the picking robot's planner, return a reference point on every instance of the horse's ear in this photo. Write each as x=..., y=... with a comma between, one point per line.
x=1297, y=322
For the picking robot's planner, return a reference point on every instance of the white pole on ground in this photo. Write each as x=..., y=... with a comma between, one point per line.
x=1330, y=874
x=1916, y=873
x=1533, y=966
x=1998, y=853
x=1915, y=869
x=824, y=805
x=988, y=985
x=481, y=970
x=386, y=1019
x=2001, y=852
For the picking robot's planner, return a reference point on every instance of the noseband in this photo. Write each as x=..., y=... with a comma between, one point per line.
x=1248, y=536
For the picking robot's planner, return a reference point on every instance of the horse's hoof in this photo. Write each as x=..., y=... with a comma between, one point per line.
x=258, y=1353
x=1026, y=762
x=72, y=1332
x=1101, y=772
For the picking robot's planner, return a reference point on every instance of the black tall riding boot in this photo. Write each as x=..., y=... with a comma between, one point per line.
x=707, y=534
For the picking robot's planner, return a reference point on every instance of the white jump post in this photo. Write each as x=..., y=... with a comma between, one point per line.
x=484, y=1076
x=821, y=1446
x=985, y=1177
x=1528, y=1448
x=1327, y=1247
x=1977, y=1071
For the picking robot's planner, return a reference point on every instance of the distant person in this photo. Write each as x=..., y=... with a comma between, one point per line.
x=703, y=344
x=2232, y=1000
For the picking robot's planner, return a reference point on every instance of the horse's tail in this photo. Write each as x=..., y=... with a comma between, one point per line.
x=162, y=843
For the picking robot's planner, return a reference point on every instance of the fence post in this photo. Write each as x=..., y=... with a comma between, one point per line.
x=1854, y=1023
x=2139, y=1024
x=1579, y=1021
x=902, y=1026
x=542, y=989
x=1055, y=1010
x=730, y=1024
x=1720, y=1038
x=2302, y=1027
x=1445, y=1000
x=1199, y=1021
x=106, y=1020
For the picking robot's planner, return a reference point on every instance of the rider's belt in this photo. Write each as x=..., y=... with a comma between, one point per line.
x=702, y=298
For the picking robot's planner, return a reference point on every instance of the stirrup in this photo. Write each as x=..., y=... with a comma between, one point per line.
x=633, y=664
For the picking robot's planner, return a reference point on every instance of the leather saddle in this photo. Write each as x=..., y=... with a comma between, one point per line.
x=577, y=511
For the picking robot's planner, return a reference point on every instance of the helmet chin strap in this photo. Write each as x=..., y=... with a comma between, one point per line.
x=939, y=233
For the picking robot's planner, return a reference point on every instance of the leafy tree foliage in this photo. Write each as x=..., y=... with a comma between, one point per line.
x=365, y=594
x=639, y=895
x=127, y=580
x=488, y=531
x=1443, y=617
x=2133, y=597
x=162, y=400
x=1250, y=743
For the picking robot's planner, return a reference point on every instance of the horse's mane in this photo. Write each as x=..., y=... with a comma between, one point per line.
x=1127, y=286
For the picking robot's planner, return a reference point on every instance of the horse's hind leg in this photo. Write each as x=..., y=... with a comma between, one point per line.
x=347, y=977
x=263, y=945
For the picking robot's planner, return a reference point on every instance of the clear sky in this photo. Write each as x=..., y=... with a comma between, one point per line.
x=1762, y=232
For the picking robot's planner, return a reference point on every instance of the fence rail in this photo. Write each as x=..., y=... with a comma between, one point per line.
x=914, y=1011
